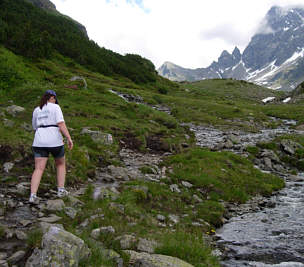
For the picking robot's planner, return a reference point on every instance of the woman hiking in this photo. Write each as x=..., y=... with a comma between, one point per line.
x=48, y=123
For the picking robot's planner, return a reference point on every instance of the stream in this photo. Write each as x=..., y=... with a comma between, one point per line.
x=272, y=236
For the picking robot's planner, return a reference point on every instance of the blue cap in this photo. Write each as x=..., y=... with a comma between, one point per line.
x=51, y=92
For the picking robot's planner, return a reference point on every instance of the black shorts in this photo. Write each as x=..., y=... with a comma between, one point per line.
x=43, y=152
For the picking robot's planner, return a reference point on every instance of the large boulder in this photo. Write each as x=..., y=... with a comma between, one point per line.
x=14, y=110
x=98, y=137
x=155, y=260
x=59, y=248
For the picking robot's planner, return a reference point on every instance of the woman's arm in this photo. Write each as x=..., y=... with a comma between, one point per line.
x=65, y=131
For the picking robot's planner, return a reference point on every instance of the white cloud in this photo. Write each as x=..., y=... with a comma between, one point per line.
x=190, y=33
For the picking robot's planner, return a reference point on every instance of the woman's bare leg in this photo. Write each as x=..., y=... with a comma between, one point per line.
x=61, y=171
x=40, y=164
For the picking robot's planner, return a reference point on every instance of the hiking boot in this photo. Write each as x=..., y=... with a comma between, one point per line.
x=62, y=192
x=34, y=200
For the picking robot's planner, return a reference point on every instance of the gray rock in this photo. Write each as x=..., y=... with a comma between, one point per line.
x=26, y=127
x=2, y=211
x=3, y=256
x=3, y=263
x=8, y=123
x=59, y=248
x=187, y=184
x=46, y=226
x=160, y=218
x=17, y=256
x=127, y=241
x=145, y=245
x=74, y=201
x=51, y=219
x=71, y=212
x=105, y=230
x=266, y=153
x=173, y=218
x=104, y=193
x=22, y=189
x=289, y=146
x=55, y=205
x=197, y=198
x=154, y=260
x=8, y=166
x=174, y=188
x=14, y=110
x=20, y=235
x=119, y=173
x=98, y=137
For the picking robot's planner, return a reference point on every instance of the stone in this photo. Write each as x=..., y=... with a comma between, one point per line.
x=101, y=193
x=20, y=235
x=174, y=188
x=2, y=211
x=51, y=219
x=289, y=146
x=187, y=184
x=14, y=110
x=17, y=256
x=55, y=205
x=59, y=248
x=8, y=166
x=3, y=256
x=144, y=259
x=98, y=137
x=145, y=245
x=126, y=241
x=197, y=198
x=26, y=126
x=74, y=201
x=71, y=212
x=105, y=230
x=160, y=218
x=8, y=123
x=22, y=189
x=25, y=222
x=3, y=263
x=173, y=218
x=77, y=78
x=95, y=233
x=46, y=226
x=119, y=173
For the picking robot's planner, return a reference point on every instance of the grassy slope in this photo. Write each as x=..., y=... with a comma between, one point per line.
x=224, y=103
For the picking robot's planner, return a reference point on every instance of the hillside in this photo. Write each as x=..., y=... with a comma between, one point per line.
x=142, y=189
x=41, y=34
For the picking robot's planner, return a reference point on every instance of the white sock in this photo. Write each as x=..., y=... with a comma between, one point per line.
x=33, y=195
x=60, y=189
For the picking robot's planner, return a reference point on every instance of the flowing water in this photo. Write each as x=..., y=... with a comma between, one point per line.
x=269, y=237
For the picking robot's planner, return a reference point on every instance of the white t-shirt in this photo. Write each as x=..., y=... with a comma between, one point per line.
x=50, y=114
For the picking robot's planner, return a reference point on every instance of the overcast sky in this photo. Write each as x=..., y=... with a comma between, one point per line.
x=189, y=33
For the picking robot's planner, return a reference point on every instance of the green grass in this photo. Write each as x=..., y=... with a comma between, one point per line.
x=189, y=247
x=223, y=175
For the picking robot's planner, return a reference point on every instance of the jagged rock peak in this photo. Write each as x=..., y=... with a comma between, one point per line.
x=236, y=52
x=279, y=18
x=225, y=53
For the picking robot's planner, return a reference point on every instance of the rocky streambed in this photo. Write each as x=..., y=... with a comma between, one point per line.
x=264, y=232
